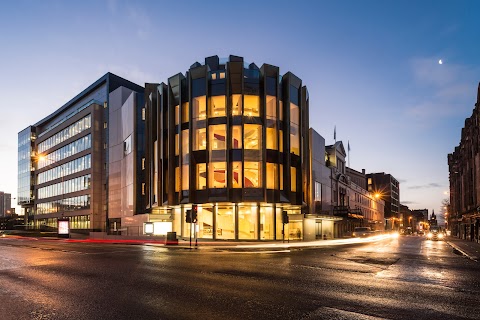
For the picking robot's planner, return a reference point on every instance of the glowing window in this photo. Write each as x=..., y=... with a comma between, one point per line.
x=217, y=175
x=252, y=175
x=225, y=222
x=252, y=136
x=272, y=176
x=237, y=174
x=177, y=114
x=293, y=179
x=185, y=112
x=236, y=137
x=271, y=110
x=201, y=176
x=177, y=144
x=271, y=135
x=236, y=104
x=200, y=139
x=251, y=106
x=294, y=114
x=218, y=136
x=281, y=177
x=217, y=106
x=200, y=107
x=185, y=177
x=177, y=179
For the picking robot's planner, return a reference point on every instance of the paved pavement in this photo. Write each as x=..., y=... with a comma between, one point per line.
x=469, y=249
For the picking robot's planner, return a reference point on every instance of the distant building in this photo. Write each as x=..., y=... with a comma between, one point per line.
x=422, y=214
x=464, y=172
x=354, y=204
x=387, y=188
x=5, y=203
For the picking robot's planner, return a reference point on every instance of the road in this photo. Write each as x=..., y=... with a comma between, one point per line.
x=404, y=278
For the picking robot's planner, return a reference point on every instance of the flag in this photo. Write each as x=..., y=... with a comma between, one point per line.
x=348, y=146
x=335, y=133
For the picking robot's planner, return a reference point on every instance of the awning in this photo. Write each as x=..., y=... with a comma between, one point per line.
x=322, y=217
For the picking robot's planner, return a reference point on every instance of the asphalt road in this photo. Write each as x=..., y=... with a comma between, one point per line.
x=404, y=278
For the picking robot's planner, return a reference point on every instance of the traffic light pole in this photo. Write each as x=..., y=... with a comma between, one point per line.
x=190, y=235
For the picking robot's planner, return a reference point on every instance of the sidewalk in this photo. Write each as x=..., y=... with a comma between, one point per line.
x=470, y=249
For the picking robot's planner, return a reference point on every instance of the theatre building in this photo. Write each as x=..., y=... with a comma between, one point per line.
x=231, y=138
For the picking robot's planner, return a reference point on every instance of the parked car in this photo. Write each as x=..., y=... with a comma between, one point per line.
x=362, y=232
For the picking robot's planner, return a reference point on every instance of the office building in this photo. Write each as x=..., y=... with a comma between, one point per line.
x=70, y=161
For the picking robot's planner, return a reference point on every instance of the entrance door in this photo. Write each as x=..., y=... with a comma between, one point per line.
x=318, y=230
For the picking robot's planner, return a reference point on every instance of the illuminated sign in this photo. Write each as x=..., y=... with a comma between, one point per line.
x=148, y=228
x=63, y=227
x=157, y=227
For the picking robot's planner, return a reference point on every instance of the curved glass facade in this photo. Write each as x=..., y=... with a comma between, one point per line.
x=221, y=138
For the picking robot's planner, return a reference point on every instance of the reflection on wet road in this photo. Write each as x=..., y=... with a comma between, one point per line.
x=402, y=278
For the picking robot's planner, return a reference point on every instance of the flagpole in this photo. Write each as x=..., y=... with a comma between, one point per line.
x=348, y=154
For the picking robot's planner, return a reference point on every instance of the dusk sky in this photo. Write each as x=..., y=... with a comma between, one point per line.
x=371, y=67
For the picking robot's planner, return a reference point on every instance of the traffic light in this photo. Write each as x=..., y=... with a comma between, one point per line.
x=284, y=217
x=194, y=213
x=188, y=216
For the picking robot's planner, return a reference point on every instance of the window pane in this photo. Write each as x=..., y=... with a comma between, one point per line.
x=293, y=178
x=201, y=176
x=252, y=106
x=266, y=223
x=205, y=222
x=185, y=177
x=177, y=144
x=252, y=136
x=280, y=140
x=272, y=176
x=217, y=175
x=271, y=107
x=218, y=137
x=294, y=114
x=177, y=179
x=236, y=137
x=177, y=114
x=217, y=107
x=200, y=107
x=185, y=112
x=236, y=104
x=294, y=140
x=225, y=224
x=253, y=177
x=185, y=147
x=281, y=177
x=271, y=135
x=237, y=174
x=247, y=222
x=200, y=139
